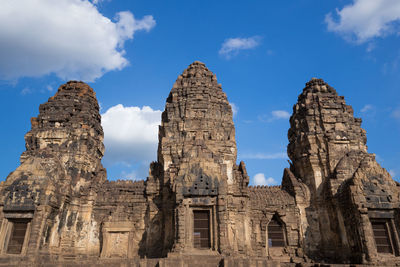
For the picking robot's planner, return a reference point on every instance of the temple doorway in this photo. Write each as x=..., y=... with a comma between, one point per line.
x=201, y=229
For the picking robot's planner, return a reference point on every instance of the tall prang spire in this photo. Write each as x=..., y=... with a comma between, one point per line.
x=63, y=153
x=329, y=155
x=197, y=130
x=323, y=129
x=68, y=131
x=196, y=164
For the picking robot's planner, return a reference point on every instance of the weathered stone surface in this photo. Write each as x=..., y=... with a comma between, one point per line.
x=196, y=168
x=336, y=204
x=60, y=172
x=340, y=187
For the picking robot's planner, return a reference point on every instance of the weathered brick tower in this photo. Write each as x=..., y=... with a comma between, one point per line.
x=335, y=204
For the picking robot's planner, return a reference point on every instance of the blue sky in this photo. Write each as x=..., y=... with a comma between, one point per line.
x=263, y=52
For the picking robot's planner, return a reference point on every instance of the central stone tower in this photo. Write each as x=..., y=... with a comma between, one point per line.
x=197, y=135
x=196, y=172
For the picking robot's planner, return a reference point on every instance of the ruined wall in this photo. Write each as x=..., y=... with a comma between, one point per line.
x=267, y=202
x=120, y=210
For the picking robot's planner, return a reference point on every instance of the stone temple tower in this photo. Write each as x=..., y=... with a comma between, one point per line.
x=197, y=135
x=58, y=178
x=348, y=192
x=196, y=169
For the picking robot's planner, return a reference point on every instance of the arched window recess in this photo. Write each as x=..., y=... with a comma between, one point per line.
x=276, y=232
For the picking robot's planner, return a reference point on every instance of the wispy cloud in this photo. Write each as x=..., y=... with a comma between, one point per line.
x=260, y=179
x=391, y=66
x=235, y=109
x=274, y=115
x=364, y=20
x=370, y=47
x=280, y=155
x=232, y=46
x=127, y=170
x=367, y=108
x=130, y=175
x=392, y=173
x=26, y=91
x=280, y=114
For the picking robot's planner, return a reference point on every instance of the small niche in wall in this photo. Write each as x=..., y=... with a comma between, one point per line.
x=119, y=240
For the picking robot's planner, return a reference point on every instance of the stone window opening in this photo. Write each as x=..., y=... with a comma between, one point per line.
x=276, y=233
x=201, y=229
x=17, y=231
x=382, y=236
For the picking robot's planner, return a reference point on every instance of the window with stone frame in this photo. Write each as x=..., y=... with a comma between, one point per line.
x=382, y=235
x=276, y=233
x=17, y=236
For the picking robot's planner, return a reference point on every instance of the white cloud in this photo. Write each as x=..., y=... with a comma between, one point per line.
x=259, y=179
x=367, y=108
x=232, y=46
x=392, y=173
x=280, y=114
x=96, y=2
x=235, y=109
x=264, y=156
x=130, y=134
x=364, y=20
x=70, y=38
x=275, y=115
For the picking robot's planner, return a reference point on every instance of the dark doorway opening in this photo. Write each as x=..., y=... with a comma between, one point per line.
x=17, y=236
x=201, y=229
